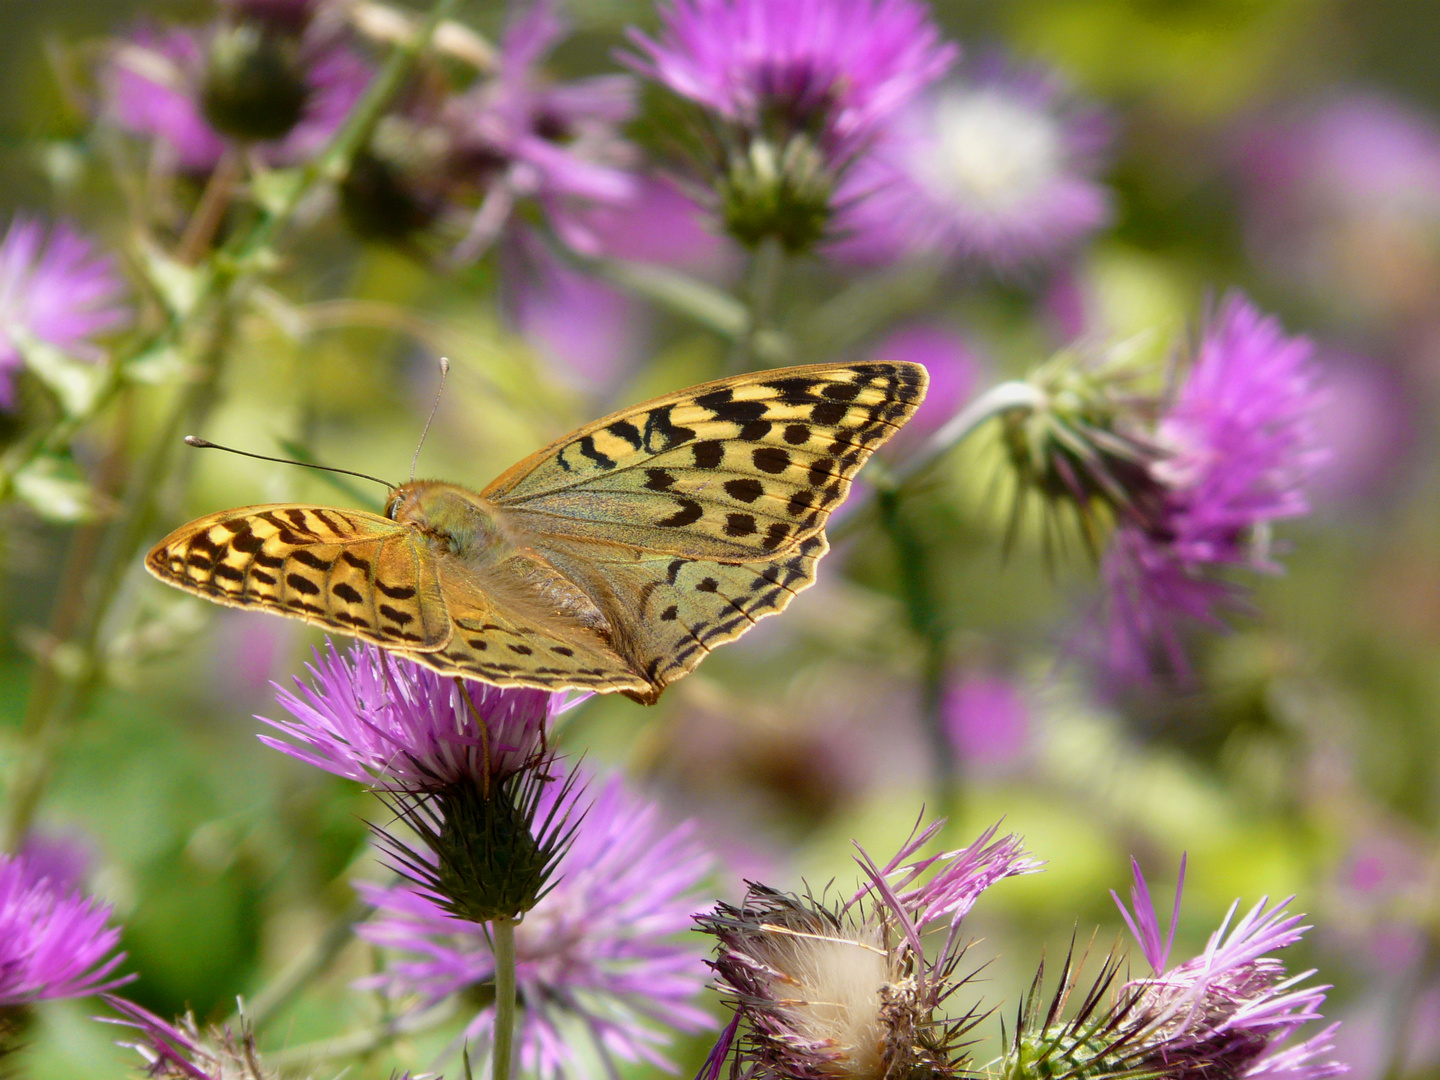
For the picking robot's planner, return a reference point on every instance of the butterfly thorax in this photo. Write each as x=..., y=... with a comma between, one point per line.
x=455, y=519
x=477, y=543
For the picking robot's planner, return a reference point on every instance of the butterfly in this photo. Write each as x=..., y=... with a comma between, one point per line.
x=615, y=559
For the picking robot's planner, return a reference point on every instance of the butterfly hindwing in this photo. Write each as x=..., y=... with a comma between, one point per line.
x=347, y=570
x=737, y=469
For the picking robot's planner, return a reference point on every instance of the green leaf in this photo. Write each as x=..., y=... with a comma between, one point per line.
x=54, y=488
x=76, y=383
x=178, y=286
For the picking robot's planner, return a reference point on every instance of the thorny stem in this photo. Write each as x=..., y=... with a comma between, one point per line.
x=502, y=933
x=761, y=281
x=55, y=700
x=998, y=400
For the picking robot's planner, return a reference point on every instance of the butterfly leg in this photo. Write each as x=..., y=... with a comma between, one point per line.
x=484, y=736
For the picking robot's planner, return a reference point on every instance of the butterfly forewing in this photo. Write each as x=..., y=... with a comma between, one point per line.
x=348, y=570
x=733, y=470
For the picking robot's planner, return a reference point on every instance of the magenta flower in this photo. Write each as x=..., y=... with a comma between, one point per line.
x=998, y=169
x=836, y=67
x=599, y=953
x=155, y=86
x=1230, y=1010
x=792, y=93
x=848, y=993
x=1237, y=448
x=54, y=940
x=54, y=287
x=371, y=716
x=520, y=137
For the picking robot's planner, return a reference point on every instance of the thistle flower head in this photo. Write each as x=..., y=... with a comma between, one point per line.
x=1236, y=447
x=56, y=288
x=997, y=168
x=54, y=940
x=598, y=957
x=793, y=91
x=1229, y=1010
x=371, y=716
x=517, y=138
x=1082, y=441
x=181, y=1051
x=194, y=90
x=847, y=991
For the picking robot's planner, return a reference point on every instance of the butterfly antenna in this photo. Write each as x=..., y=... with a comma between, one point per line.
x=444, y=370
x=206, y=444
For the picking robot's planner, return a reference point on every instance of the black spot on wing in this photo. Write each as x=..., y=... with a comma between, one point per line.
x=587, y=448
x=746, y=490
x=690, y=512
x=708, y=454
x=771, y=459
x=661, y=434
x=623, y=429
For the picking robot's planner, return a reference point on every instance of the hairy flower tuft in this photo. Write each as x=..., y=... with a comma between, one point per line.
x=181, y=1051
x=846, y=992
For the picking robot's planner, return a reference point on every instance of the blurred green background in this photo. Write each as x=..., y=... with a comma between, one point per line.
x=1306, y=760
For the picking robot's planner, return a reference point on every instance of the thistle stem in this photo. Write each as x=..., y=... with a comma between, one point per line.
x=998, y=400
x=502, y=933
x=761, y=282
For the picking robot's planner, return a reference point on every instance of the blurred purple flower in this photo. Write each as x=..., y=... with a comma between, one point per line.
x=837, y=68
x=598, y=952
x=660, y=225
x=1229, y=1010
x=55, y=287
x=987, y=719
x=62, y=858
x=791, y=93
x=374, y=717
x=1344, y=198
x=849, y=992
x=54, y=941
x=522, y=137
x=998, y=169
x=954, y=372
x=1239, y=446
x=154, y=86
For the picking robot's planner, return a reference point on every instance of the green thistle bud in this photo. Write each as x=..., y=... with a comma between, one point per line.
x=783, y=192
x=489, y=856
x=255, y=84
x=1084, y=442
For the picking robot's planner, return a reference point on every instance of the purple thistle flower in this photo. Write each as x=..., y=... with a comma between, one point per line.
x=793, y=92
x=998, y=169
x=521, y=137
x=598, y=953
x=54, y=940
x=1238, y=447
x=374, y=717
x=155, y=87
x=1229, y=1010
x=65, y=858
x=55, y=287
x=839, y=68
x=847, y=992
x=181, y=1051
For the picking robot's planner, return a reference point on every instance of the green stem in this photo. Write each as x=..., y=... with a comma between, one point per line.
x=688, y=297
x=54, y=702
x=502, y=932
x=998, y=400
x=761, y=282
